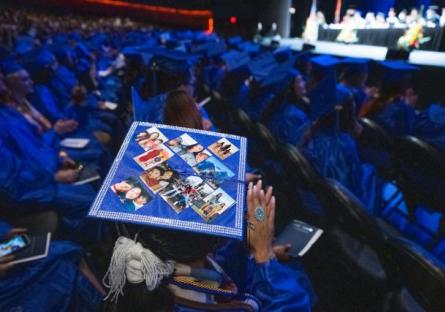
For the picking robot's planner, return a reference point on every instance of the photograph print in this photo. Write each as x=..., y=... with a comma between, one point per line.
x=189, y=150
x=213, y=205
x=223, y=148
x=159, y=177
x=150, y=138
x=131, y=194
x=213, y=172
x=153, y=157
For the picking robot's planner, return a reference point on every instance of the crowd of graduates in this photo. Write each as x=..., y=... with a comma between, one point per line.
x=312, y=121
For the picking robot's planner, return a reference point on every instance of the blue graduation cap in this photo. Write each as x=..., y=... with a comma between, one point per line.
x=24, y=44
x=437, y=114
x=396, y=71
x=325, y=62
x=249, y=47
x=235, y=60
x=262, y=65
x=282, y=54
x=9, y=66
x=354, y=64
x=216, y=49
x=136, y=54
x=204, y=194
x=174, y=61
x=234, y=41
x=323, y=99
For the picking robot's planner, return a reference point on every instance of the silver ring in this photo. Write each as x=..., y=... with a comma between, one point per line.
x=259, y=213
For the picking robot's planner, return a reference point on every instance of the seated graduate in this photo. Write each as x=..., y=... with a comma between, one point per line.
x=18, y=107
x=286, y=115
x=172, y=270
x=353, y=76
x=62, y=281
x=430, y=125
x=181, y=110
x=331, y=144
x=389, y=107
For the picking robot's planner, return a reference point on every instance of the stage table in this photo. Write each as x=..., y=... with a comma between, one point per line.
x=388, y=37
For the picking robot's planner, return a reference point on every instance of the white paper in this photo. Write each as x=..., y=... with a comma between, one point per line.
x=74, y=143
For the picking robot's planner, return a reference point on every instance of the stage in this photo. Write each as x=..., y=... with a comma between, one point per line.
x=418, y=57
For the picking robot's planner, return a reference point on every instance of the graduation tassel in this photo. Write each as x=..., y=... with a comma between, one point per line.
x=132, y=262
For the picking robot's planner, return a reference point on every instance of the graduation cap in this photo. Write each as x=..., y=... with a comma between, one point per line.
x=234, y=41
x=395, y=72
x=9, y=66
x=249, y=47
x=262, y=65
x=352, y=65
x=282, y=54
x=216, y=49
x=174, y=61
x=437, y=114
x=235, y=60
x=324, y=63
x=136, y=54
x=24, y=44
x=323, y=99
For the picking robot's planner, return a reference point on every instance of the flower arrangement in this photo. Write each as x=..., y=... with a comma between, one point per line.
x=413, y=37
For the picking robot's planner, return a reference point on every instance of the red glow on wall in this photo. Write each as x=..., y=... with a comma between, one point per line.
x=152, y=8
x=233, y=20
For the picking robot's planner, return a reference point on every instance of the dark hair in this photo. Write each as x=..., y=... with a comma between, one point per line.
x=180, y=110
x=182, y=247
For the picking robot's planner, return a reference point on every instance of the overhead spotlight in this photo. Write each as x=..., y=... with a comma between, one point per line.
x=292, y=10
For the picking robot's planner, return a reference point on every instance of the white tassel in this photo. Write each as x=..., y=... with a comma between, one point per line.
x=132, y=262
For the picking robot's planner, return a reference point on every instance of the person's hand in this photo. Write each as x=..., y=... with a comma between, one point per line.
x=66, y=175
x=206, y=124
x=65, y=126
x=252, y=177
x=15, y=232
x=102, y=105
x=261, y=218
x=282, y=252
x=5, y=264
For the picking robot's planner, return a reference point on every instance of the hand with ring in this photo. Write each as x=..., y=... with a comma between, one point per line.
x=261, y=218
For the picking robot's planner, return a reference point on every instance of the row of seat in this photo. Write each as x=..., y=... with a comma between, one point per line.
x=365, y=244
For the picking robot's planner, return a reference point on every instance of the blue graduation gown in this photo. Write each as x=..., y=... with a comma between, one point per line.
x=335, y=156
x=286, y=124
x=398, y=119
x=430, y=126
x=53, y=283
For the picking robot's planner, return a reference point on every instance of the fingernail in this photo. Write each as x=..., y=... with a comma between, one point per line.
x=250, y=185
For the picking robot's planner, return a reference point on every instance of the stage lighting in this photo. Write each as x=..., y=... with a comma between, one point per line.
x=233, y=20
x=292, y=10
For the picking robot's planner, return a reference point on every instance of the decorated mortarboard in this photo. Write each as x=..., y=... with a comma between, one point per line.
x=177, y=178
x=261, y=66
x=323, y=99
x=235, y=60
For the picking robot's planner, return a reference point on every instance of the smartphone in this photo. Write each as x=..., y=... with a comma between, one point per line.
x=13, y=245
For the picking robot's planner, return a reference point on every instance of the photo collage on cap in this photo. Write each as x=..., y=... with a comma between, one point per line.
x=199, y=189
